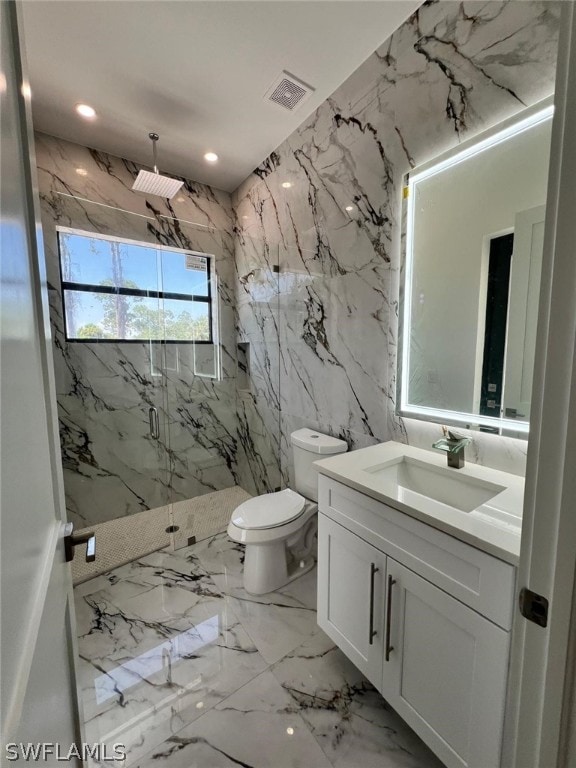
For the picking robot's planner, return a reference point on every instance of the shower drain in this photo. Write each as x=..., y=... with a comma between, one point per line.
x=172, y=528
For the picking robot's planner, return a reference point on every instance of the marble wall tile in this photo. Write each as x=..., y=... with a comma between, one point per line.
x=290, y=423
x=259, y=463
x=257, y=307
x=451, y=71
x=505, y=453
x=112, y=467
x=308, y=274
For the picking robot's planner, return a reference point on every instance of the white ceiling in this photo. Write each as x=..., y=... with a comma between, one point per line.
x=194, y=71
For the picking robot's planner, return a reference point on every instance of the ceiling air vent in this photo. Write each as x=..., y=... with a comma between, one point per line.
x=288, y=92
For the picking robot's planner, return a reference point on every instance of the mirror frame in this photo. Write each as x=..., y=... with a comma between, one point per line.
x=502, y=131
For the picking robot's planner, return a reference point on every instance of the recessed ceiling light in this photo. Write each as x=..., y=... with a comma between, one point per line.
x=211, y=157
x=286, y=184
x=86, y=110
x=349, y=207
x=81, y=171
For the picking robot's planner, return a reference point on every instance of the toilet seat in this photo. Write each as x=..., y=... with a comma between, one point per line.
x=269, y=511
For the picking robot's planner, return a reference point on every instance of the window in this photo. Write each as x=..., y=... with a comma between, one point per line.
x=119, y=290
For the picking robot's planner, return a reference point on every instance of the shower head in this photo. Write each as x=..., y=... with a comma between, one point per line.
x=154, y=183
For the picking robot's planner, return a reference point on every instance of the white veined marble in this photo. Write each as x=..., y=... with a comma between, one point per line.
x=453, y=69
x=323, y=330
x=179, y=664
x=112, y=466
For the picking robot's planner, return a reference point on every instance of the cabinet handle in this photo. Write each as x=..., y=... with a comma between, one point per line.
x=372, y=632
x=389, y=648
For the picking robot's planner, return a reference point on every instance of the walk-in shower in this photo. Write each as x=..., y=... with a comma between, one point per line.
x=158, y=412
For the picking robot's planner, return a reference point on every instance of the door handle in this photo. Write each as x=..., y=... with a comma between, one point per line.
x=72, y=540
x=389, y=648
x=371, y=631
x=154, y=423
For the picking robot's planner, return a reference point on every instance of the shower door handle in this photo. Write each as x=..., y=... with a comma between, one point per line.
x=154, y=423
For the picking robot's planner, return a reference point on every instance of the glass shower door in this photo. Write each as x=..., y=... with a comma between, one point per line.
x=199, y=368
x=168, y=374
x=110, y=391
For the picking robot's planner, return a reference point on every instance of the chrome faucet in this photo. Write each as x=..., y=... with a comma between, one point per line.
x=454, y=446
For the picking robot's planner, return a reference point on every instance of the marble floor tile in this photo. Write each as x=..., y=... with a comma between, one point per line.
x=258, y=726
x=280, y=621
x=153, y=657
x=221, y=557
x=350, y=720
x=277, y=622
x=165, y=568
x=90, y=586
x=223, y=560
x=185, y=668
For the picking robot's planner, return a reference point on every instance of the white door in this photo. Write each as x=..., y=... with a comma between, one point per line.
x=523, y=312
x=351, y=579
x=446, y=674
x=542, y=688
x=37, y=690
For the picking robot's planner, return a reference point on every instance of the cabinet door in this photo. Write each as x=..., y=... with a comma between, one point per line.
x=446, y=674
x=351, y=578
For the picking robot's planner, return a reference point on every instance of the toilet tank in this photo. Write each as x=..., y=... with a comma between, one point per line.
x=307, y=447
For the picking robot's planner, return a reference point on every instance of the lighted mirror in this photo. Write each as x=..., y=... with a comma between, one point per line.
x=473, y=255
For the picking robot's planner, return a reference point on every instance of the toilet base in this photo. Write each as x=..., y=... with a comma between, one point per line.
x=276, y=556
x=269, y=567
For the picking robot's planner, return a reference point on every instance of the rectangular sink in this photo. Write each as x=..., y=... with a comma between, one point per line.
x=406, y=476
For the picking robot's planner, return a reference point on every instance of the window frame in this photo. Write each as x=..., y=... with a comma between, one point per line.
x=67, y=285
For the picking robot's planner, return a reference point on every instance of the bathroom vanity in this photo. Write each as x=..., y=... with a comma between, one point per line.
x=416, y=577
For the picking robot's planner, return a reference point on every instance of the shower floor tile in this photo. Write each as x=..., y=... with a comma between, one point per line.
x=182, y=666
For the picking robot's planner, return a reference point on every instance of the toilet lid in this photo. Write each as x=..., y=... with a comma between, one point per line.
x=269, y=510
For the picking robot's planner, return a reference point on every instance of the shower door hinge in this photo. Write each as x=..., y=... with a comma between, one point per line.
x=533, y=607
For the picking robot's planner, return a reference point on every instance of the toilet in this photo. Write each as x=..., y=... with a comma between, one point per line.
x=279, y=529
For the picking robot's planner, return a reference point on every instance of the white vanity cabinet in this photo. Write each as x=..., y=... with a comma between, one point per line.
x=447, y=671
x=424, y=616
x=350, y=595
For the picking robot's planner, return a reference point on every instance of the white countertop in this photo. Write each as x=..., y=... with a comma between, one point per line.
x=493, y=527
